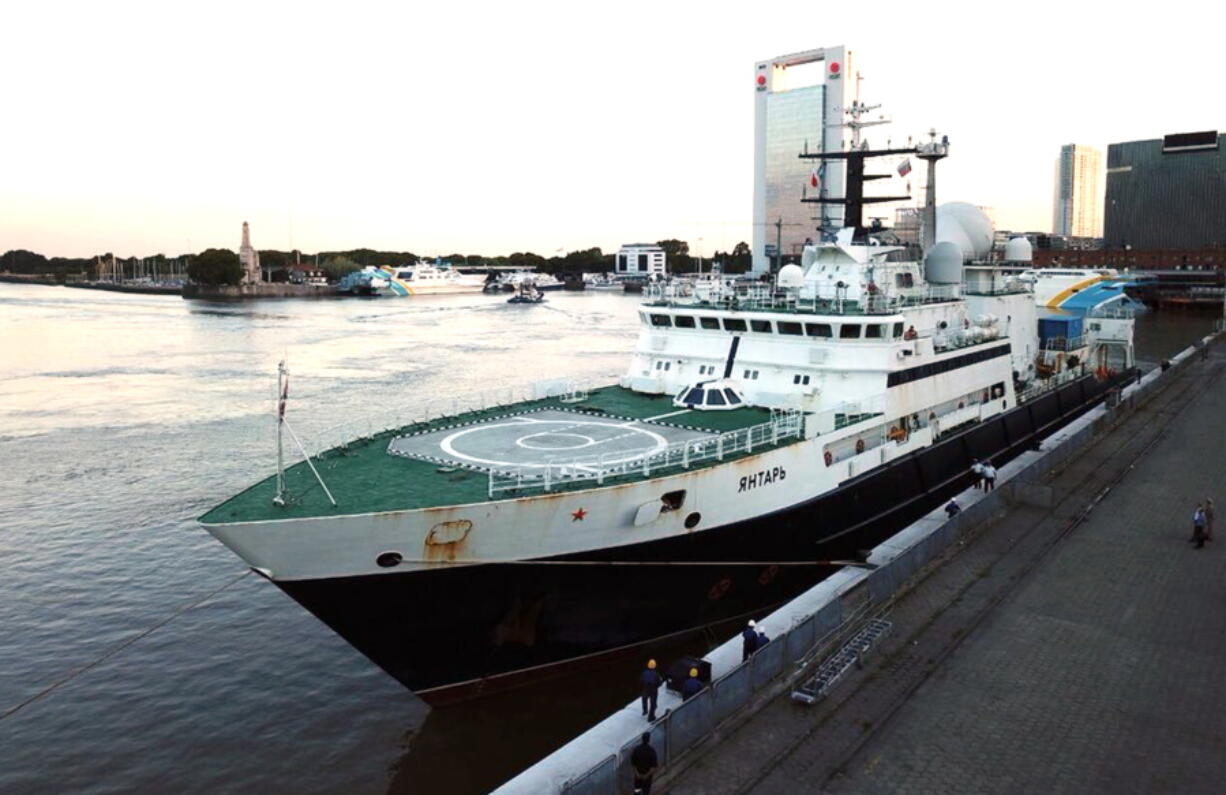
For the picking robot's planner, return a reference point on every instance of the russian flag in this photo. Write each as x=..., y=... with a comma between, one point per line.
x=904, y=168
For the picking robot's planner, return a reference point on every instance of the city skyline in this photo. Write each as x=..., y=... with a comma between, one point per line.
x=488, y=130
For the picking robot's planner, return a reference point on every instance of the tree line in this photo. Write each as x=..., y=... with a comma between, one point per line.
x=218, y=266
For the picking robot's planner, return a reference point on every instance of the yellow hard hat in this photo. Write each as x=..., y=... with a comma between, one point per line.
x=651, y=663
x=694, y=672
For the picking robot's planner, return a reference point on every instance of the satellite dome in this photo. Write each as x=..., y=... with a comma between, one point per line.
x=790, y=276
x=967, y=227
x=1018, y=250
x=943, y=263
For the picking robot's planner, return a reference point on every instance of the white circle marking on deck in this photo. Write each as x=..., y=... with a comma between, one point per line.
x=584, y=441
x=448, y=446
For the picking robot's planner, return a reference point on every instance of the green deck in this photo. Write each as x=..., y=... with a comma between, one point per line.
x=365, y=478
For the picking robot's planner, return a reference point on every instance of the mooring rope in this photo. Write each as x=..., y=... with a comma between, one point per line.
x=520, y=562
x=93, y=664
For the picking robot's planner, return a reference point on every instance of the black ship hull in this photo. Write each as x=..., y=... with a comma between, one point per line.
x=452, y=634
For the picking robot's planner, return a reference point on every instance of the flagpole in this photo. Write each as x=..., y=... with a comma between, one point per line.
x=281, y=396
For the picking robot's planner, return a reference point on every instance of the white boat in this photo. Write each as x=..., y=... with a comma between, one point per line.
x=426, y=279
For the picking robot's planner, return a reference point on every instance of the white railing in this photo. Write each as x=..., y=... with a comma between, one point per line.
x=1042, y=385
x=826, y=299
x=784, y=424
x=848, y=413
x=363, y=428
x=1064, y=344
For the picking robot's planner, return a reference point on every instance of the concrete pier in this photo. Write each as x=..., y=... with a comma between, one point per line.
x=1072, y=642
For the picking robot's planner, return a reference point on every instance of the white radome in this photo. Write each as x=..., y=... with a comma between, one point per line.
x=967, y=227
x=791, y=276
x=1018, y=249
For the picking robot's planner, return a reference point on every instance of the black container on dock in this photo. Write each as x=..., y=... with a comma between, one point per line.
x=679, y=671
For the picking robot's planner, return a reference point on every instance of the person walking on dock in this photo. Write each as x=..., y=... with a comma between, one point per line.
x=651, y=681
x=749, y=640
x=1208, y=519
x=952, y=508
x=644, y=761
x=692, y=686
x=989, y=476
x=1198, y=527
x=977, y=473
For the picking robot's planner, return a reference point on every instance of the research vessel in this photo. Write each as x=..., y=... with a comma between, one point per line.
x=758, y=432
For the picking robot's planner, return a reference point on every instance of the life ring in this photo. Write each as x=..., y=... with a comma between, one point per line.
x=859, y=446
x=829, y=458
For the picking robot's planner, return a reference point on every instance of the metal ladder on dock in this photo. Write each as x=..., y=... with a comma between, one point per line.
x=834, y=667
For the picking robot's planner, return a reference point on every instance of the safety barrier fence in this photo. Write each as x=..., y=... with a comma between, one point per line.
x=811, y=640
x=783, y=425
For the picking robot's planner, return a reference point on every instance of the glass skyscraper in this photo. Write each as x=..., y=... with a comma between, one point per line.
x=1078, y=200
x=794, y=123
x=1167, y=193
x=799, y=103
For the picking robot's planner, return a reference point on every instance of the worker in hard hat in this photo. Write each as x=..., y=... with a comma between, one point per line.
x=749, y=640
x=692, y=686
x=650, y=681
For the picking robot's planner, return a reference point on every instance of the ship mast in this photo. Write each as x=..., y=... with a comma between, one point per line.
x=858, y=154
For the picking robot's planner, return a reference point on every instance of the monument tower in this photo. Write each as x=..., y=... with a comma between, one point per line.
x=249, y=258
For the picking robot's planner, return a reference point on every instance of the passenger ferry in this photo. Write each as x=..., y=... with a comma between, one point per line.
x=420, y=279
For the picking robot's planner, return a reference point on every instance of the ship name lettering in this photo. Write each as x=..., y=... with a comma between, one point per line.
x=762, y=478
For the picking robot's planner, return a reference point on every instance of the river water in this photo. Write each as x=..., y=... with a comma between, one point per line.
x=123, y=417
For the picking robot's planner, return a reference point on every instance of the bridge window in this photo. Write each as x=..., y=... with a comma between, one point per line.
x=904, y=280
x=760, y=326
x=683, y=321
x=709, y=322
x=898, y=331
x=874, y=331
x=734, y=324
x=733, y=399
x=818, y=330
x=849, y=331
x=715, y=398
x=661, y=321
x=789, y=327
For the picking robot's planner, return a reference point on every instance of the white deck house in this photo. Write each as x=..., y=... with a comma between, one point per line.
x=640, y=260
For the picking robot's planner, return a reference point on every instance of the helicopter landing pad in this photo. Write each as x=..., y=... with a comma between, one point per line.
x=540, y=438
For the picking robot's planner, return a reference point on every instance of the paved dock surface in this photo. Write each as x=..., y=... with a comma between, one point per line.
x=1074, y=647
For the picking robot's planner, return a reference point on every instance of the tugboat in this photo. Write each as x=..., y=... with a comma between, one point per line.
x=758, y=430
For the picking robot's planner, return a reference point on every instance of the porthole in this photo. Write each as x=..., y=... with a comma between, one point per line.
x=692, y=520
x=389, y=559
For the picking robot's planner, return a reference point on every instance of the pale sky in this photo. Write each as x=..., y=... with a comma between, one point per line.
x=489, y=128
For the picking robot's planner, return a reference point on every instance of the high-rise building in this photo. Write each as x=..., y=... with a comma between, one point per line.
x=1167, y=193
x=249, y=258
x=798, y=106
x=1078, y=201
